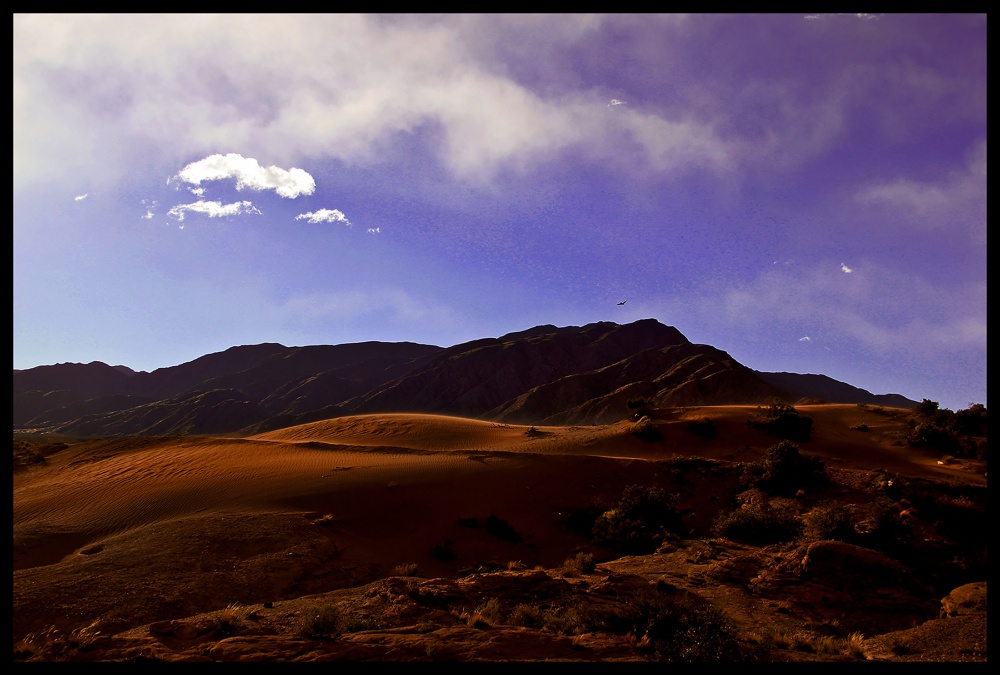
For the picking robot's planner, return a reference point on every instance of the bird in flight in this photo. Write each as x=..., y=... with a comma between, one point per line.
x=623, y=302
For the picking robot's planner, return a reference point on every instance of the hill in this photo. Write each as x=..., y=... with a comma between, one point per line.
x=542, y=375
x=415, y=537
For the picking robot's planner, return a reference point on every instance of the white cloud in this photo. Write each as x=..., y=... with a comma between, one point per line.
x=325, y=216
x=214, y=209
x=144, y=84
x=80, y=198
x=805, y=339
x=845, y=269
x=615, y=101
x=249, y=174
x=374, y=230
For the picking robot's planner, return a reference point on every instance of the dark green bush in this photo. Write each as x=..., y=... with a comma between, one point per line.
x=782, y=420
x=581, y=563
x=933, y=437
x=703, y=427
x=830, y=521
x=784, y=470
x=637, y=524
x=443, y=551
x=321, y=622
x=759, y=524
x=646, y=430
x=502, y=529
x=683, y=633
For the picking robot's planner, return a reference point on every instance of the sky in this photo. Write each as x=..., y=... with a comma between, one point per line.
x=804, y=192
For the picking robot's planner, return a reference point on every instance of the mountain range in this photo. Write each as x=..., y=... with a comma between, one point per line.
x=547, y=375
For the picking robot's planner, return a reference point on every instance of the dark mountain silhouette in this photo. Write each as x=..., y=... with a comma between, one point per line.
x=542, y=375
x=831, y=390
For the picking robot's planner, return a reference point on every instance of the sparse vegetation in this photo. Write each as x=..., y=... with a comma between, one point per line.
x=638, y=523
x=640, y=408
x=784, y=470
x=580, y=563
x=322, y=622
x=645, y=429
x=759, y=523
x=443, y=551
x=951, y=433
x=830, y=521
x=782, y=420
x=684, y=633
x=53, y=643
x=410, y=569
x=501, y=529
x=232, y=619
x=704, y=427
x=28, y=453
x=356, y=624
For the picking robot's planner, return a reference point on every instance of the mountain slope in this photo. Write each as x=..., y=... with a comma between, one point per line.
x=546, y=374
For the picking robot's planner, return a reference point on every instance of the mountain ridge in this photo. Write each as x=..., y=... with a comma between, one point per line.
x=541, y=375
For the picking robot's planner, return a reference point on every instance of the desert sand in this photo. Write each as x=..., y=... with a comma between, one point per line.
x=128, y=532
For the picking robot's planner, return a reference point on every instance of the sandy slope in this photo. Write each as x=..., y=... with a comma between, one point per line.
x=134, y=530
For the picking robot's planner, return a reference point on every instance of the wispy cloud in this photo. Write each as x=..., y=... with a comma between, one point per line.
x=80, y=198
x=393, y=305
x=249, y=175
x=150, y=204
x=324, y=216
x=214, y=209
x=863, y=17
x=936, y=203
x=845, y=269
x=922, y=317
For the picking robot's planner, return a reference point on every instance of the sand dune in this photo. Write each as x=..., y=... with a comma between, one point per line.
x=103, y=520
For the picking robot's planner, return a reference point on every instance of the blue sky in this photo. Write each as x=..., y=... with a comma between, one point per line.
x=805, y=192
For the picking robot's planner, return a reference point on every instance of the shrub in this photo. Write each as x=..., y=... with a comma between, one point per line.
x=490, y=612
x=639, y=521
x=443, y=551
x=881, y=528
x=933, y=437
x=410, y=569
x=784, y=470
x=528, y=616
x=759, y=524
x=639, y=406
x=502, y=529
x=580, y=563
x=681, y=632
x=581, y=520
x=830, y=521
x=704, y=427
x=782, y=420
x=356, y=624
x=321, y=622
x=971, y=421
x=646, y=430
